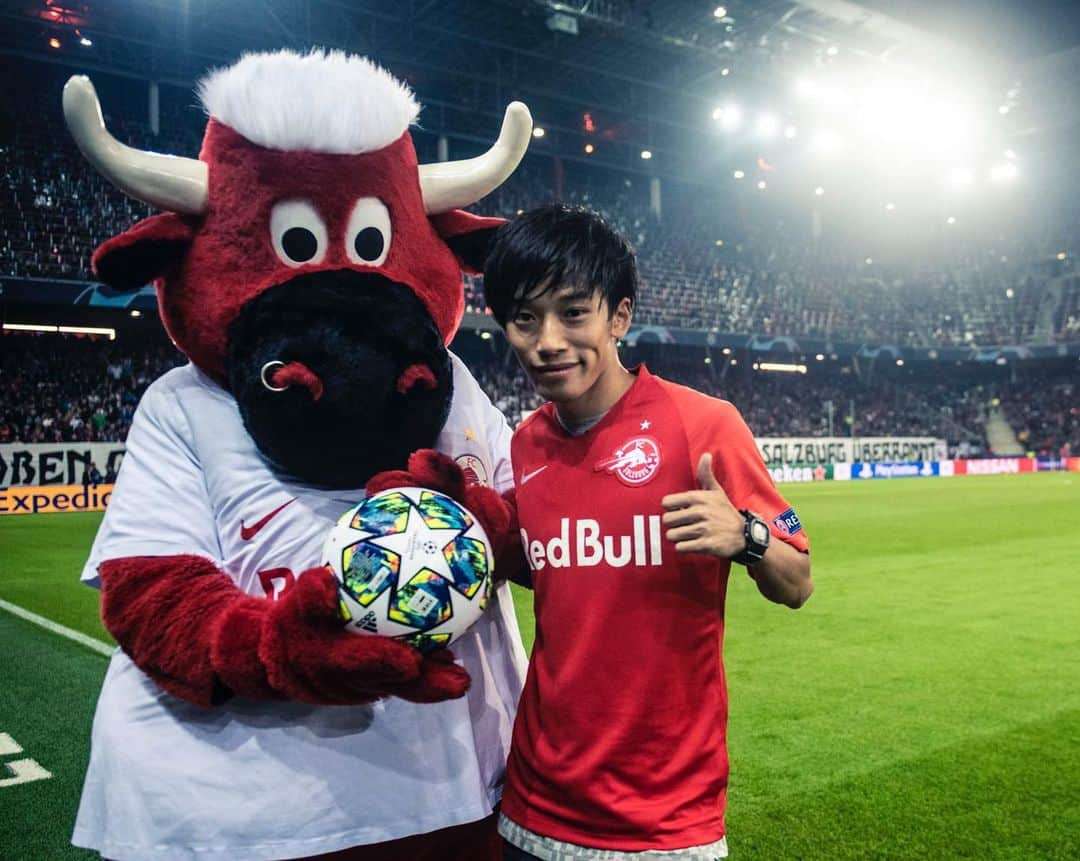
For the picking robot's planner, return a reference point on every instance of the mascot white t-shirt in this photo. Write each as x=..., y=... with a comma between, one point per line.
x=282, y=779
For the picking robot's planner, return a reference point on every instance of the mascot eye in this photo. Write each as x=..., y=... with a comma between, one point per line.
x=298, y=233
x=367, y=238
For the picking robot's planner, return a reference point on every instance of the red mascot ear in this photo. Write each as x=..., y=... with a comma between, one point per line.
x=468, y=236
x=139, y=255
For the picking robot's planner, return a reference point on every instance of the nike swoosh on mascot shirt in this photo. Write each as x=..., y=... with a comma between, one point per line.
x=525, y=476
x=248, y=532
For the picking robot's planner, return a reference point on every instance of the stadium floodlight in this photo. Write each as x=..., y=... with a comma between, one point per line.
x=1009, y=292
x=539, y=132
x=485, y=336
x=869, y=261
x=826, y=141
x=1061, y=255
x=781, y=367
x=761, y=185
x=819, y=191
x=85, y=42
x=899, y=363
x=890, y=207
x=739, y=174
x=1010, y=154
x=720, y=12
x=136, y=312
x=719, y=243
x=708, y=360
x=731, y=117
x=726, y=351
x=820, y=357
x=646, y=154
x=790, y=132
x=960, y=177
x=1004, y=109
x=718, y=113
x=767, y=125
x=724, y=72
x=1003, y=172
x=589, y=149
x=951, y=219
x=54, y=42
x=832, y=50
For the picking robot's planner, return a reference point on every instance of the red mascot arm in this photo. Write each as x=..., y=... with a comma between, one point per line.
x=497, y=514
x=186, y=625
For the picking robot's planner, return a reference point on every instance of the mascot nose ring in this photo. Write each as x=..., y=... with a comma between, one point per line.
x=267, y=373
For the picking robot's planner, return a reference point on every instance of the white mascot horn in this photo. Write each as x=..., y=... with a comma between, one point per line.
x=164, y=181
x=455, y=184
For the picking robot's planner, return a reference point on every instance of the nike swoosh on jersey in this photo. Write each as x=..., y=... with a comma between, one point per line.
x=249, y=532
x=525, y=476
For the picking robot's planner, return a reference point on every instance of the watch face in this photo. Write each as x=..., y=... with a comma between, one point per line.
x=759, y=532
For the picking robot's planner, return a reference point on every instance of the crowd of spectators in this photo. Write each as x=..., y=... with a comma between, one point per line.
x=701, y=268
x=1046, y=417
x=836, y=402
x=758, y=279
x=69, y=389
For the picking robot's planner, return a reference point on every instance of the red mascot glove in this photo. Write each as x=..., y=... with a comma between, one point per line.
x=497, y=514
x=186, y=625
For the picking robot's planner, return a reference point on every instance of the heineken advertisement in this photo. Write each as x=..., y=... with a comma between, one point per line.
x=824, y=451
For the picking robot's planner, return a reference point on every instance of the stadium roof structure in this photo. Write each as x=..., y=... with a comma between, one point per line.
x=622, y=75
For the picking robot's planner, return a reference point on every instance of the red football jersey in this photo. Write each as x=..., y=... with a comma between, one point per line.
x=620, y=738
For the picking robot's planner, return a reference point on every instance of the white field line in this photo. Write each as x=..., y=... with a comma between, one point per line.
x=80, y=638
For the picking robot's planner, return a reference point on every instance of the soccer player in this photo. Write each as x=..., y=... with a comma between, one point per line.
x=634, y=495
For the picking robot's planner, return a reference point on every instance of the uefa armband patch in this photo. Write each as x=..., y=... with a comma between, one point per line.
x=788, y=522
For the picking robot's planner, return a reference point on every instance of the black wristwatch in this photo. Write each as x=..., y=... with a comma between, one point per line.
x=756, y=532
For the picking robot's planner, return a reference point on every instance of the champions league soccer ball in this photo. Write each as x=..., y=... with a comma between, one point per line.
x=412, y=564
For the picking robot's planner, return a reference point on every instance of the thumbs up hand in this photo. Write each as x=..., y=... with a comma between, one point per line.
x=704, y=521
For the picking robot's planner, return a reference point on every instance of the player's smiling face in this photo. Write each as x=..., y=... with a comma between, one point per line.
x=565, y=339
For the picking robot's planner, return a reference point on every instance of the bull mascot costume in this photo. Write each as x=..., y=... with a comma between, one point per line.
x=310, y=270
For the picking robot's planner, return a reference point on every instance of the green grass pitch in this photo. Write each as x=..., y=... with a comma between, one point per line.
x=925, y=704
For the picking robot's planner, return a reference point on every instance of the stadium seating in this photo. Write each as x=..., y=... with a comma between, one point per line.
x=757, y=279
x=64, y=389
x=54, y=210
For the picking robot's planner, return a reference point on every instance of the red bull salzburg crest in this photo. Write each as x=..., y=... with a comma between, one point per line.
x=634, y=463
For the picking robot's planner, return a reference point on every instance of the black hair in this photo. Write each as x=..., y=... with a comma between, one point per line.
x=555, y=246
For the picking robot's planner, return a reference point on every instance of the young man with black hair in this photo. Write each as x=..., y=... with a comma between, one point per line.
x=634, y=496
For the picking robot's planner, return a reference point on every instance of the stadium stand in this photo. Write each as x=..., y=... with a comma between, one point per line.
x=63, y=389
x=54, y=210
x=758, y=280
x=68, y=389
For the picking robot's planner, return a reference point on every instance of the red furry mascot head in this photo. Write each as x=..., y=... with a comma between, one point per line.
x=305, y=260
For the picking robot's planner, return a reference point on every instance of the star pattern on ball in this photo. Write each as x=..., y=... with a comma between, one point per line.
x=418, y=537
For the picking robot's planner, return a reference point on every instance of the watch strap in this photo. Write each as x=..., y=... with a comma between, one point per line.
x=753, y=551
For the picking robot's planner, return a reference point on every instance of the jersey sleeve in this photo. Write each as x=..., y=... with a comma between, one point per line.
x=738, y=466
x=160, y=504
